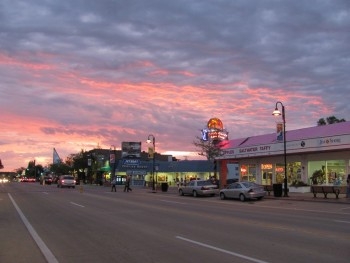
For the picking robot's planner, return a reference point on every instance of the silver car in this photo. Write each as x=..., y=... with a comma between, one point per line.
x=199, y=187
x=66, y=181
x=243, y=191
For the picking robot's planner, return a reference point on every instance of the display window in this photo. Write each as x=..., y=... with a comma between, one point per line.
x=279, y=170
x=327, y=172
x=248, y=172
x=294, y=172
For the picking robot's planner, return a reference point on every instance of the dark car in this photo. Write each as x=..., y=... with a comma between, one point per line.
x=46, y=180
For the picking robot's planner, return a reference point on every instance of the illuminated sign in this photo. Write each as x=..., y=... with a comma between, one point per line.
x=279, y=169
x=266, y=166
x=215, y=131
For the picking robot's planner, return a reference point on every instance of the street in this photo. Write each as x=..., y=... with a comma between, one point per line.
x=43, y=223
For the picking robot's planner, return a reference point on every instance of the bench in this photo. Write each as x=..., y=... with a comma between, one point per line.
x=325, y=190
x=268, y=188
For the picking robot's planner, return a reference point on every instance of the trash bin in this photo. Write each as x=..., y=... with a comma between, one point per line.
x=277, y=190
x=164, y=187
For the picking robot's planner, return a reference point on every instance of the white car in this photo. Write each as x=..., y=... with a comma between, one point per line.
x=243, y=191
x=66, y=181
x=199, y=187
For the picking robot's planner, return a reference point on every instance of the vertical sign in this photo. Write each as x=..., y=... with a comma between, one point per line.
x=112, y=158
x=279, y=132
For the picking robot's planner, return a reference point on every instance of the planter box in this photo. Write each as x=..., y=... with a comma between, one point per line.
x=300, y=189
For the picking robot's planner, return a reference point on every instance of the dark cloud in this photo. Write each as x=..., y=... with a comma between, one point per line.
x=79, y=73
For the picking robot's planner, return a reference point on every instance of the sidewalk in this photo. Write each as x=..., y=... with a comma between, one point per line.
x=309, y=197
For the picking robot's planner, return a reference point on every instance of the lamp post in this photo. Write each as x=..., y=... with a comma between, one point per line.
x=112, y=159
x=151, y=136
x=276, y=112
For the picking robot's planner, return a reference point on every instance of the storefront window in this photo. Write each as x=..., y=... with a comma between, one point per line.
x=266, y=170
x=294, y=172
x=279, y=173
x=327, y=172
x=248, y=172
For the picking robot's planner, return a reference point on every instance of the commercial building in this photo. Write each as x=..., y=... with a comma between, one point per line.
x=318, y=154
x=167, y=168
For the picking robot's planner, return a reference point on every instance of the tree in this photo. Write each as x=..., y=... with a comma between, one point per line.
x=329, y=120
x=207, y=148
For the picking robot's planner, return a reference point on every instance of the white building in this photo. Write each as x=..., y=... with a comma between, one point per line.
x=323, y=149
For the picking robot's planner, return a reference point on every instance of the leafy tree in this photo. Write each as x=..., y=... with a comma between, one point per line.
x=60, y=168
x=329, y=120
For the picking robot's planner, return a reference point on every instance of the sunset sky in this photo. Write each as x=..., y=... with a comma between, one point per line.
x=77, y=74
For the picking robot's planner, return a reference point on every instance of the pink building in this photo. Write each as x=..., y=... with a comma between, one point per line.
x=322, y=150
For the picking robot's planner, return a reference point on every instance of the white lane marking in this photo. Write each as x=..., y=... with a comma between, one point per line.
x=42, y=246
x=172, y=202
x=46, y=193
x=340, y=221
x=76, y=204
x=222, y=250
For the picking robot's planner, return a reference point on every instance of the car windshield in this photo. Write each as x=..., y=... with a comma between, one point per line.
x=68, y=177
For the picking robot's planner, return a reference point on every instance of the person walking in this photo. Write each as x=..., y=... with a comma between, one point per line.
x=127, y=184
x=348, y=187
x=114, y=183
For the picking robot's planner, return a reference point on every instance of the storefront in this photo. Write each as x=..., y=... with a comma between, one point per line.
x=165, y=172
x=316, y=155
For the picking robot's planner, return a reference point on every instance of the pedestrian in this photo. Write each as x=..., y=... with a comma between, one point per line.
x=348, y=187
x=114, y=183
x=127, y=184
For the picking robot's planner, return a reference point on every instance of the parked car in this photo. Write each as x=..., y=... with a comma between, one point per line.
x=66, y=181
x=243, y=191
x=199, y=187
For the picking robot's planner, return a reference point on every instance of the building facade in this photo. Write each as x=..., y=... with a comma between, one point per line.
x=316, y=155
x=167, y=168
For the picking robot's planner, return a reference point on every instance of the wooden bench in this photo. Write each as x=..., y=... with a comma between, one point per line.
x=325, y=190
x=268, y=188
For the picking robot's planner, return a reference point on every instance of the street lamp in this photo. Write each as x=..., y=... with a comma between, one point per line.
x=276, y=112
x=112, y=159
x=151, y=136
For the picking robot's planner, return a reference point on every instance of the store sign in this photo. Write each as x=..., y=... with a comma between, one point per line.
x=131, y=162
x=131, y=149
x=266, y=166
x=279, y=169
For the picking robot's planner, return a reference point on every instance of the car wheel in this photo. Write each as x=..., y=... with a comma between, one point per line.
x=73, y=186
x=181, y=192
x=195, y=194
x=242, y=197
x=259, y=198
x=222, y=196
x=58, y=186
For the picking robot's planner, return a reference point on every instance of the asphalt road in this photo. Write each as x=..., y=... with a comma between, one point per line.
x=46, y=224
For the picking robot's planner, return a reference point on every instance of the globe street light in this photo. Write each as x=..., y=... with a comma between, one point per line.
x=151, y=136
x=276, y=112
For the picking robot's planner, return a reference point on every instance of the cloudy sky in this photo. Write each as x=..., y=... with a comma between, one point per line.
x=80, y=74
